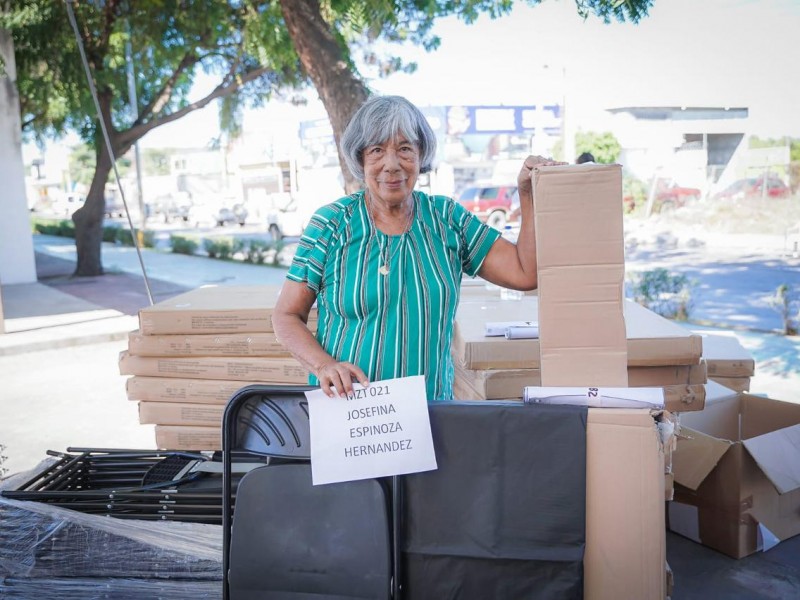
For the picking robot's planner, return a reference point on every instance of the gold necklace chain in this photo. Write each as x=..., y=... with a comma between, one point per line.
x=384, y=268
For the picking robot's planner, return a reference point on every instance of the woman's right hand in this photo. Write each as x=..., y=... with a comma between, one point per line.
x=336, y=378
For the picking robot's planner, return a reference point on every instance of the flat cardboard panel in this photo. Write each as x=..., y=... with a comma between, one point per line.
x=778, y=455
x=249, y=369
x=175, y=389
x=726, y=357
x=214, y=309
x=763, y=415
x=652, y=340
x=695, y=456
x=625, y=543
x=185, y=437
x=206, y=344
x=180, y=413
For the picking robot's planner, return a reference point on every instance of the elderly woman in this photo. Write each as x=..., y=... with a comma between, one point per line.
x=384, y=265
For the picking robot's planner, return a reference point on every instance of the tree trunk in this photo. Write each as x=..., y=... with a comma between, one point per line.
x=88, y=220
x=341, y=92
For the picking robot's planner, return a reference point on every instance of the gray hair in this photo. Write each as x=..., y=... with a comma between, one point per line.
x=382, y=118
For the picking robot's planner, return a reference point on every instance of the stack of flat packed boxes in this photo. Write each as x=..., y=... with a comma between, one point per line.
x=192, y=352
x=660, y=353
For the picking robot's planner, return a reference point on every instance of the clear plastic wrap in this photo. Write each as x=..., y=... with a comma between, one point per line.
x=108, y=589
x=42, y=541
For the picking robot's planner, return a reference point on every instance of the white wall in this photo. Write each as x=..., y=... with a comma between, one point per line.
x=16, y=243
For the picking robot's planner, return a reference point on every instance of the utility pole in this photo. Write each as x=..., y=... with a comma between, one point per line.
x=133, y=102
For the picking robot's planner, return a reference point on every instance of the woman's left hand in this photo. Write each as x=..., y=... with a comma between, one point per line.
x=524, y=178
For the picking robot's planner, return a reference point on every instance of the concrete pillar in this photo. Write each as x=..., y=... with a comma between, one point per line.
x=17, y=263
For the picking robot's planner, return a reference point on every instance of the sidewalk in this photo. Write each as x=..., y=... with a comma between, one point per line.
x=59, y=310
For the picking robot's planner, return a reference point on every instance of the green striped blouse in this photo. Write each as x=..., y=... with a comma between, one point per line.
x=399, y=324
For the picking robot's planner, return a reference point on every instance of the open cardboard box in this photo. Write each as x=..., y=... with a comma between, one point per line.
x=737, y=473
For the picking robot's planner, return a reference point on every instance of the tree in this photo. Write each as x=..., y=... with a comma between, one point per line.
x=256, y=49
x=170, y=43
x=604, y=146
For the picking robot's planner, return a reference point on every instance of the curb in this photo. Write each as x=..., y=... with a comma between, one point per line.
x=65, y=336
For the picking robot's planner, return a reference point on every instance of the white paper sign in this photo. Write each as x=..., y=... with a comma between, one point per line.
x=377, y=431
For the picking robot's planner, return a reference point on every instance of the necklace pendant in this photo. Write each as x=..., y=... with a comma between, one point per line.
x=383, y=270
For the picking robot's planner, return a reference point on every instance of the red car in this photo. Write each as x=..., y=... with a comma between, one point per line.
x=489, y=202
x=754, y=188
x=670, y=196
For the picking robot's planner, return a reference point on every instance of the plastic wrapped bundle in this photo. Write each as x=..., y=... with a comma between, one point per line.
x=108, y=589
x=42, y=541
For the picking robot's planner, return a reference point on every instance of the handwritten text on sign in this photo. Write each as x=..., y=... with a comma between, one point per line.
x=377, y=431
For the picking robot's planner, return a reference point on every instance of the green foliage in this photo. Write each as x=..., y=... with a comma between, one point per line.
x=66, y=229
x=59, y=227
x=181, y=244
x=666, y=294
x=222, y=248
x=604, y=146
x=256, y=251
x=110, y=233
x=634, y=193
x=786, y=302
x=276, y=257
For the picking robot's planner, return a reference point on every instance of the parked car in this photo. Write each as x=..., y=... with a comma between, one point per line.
x=230, y=215
x=753, y=187
x=776, y=188
x=670, y=195
x=492, y=203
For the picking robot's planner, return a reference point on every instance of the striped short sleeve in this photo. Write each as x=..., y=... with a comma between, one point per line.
x=476, y=239
x=308, y=265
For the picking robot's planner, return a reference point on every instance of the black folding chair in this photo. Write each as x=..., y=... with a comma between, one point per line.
x=285, y=538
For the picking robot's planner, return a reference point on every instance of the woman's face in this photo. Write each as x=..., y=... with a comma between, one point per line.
x=391, y=170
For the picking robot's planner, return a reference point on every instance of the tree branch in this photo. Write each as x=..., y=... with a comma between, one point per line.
x=163, y=95
x=129, y=136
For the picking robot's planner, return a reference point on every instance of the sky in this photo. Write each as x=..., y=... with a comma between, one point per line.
x=735, y=53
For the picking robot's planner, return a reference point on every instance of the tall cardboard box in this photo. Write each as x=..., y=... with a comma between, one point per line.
x=737, y=473
x=581, y=264
x=625, y=553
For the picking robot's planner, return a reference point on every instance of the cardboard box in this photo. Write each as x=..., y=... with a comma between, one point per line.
x=248, y=368
x=497, y=384
x=180, y=413
x=188, y=437
x=206, y=344
x=737, y=473
x=726, y=357
x=175, y=389
x=581, y=263
x=652, y=340
x=625, y=530
x=214, y=309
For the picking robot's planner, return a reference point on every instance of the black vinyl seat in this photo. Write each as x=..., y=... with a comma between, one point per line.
x=287, y=539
